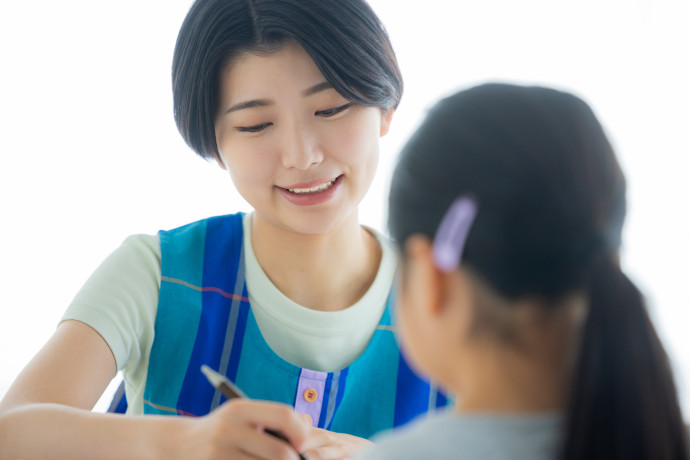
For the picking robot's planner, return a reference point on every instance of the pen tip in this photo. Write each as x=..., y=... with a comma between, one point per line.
x=214, y=377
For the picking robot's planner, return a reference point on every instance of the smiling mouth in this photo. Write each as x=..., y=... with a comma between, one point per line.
x=312, y=190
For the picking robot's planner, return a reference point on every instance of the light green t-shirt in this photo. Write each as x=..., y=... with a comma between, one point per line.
x=120, y=300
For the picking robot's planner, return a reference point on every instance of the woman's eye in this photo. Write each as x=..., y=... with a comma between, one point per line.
x=333, y=111
x=253, y=129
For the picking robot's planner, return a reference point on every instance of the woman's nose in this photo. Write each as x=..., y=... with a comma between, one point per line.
x=300, y=149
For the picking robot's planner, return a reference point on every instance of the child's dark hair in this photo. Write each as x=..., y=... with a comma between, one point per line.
x=345, y=39
x=551, y=199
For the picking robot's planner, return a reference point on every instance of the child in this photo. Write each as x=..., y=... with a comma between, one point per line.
x=291, y=302
x=508, y=205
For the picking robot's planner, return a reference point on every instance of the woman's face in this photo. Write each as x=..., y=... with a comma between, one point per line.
x=300, y=153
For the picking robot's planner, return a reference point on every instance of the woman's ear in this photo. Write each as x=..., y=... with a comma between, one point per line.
x=220, y=161
x=386, y=118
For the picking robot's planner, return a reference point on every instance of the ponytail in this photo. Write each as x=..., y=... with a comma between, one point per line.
x=623, y=402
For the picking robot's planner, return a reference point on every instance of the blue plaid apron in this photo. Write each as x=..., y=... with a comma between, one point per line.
x=204, y=317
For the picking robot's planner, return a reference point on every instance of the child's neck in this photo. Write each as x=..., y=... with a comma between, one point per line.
x=527, y=371
x=498, y=379
x=504, y=387
x=326, y=272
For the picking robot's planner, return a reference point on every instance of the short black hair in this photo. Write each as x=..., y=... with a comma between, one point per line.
x=345, y=38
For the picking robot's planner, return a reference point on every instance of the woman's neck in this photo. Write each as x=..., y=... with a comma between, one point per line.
x=328, y=272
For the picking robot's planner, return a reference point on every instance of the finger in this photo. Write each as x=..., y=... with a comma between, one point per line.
x=327, y=445
x=317, y=437
x=274, y=416
x=326, y=453
x=305, y=418
x=231, y=439
x=260, y=445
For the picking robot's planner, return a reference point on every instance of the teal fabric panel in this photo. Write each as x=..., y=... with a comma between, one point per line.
x=369, y=394
x=177, y=318
x=261, y=373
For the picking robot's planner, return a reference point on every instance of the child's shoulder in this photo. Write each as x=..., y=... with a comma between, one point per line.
x=491, y=437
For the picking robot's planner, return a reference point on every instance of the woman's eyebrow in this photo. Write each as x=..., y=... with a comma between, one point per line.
x=317, y=88
x=249, y=105
x=266, y=102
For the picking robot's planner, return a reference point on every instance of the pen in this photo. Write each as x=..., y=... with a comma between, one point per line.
x=230, y=391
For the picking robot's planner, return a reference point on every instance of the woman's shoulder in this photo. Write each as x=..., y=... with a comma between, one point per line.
x=389, y=255
x=142, y=243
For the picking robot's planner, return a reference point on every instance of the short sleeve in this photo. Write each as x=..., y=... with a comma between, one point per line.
x=120, y=299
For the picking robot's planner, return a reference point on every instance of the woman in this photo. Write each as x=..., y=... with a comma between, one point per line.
x=291, y=302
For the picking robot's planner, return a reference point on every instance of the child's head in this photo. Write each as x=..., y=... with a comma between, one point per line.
x=544, y=199
x=344, y=38
x=507, y=205
x=549, y=190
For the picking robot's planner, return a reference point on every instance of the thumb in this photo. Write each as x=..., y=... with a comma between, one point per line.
x=306, y=418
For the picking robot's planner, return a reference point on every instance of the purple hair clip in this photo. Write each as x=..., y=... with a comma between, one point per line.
x=449, y=241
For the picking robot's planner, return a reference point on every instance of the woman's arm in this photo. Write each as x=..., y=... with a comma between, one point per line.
x=47, y=414
x=73, y=368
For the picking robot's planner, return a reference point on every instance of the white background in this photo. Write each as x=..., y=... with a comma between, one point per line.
x=89, y=152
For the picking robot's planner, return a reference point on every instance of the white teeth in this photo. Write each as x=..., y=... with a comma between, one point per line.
x=318, y=188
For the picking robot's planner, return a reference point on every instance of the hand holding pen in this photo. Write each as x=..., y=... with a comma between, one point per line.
x=230, y=391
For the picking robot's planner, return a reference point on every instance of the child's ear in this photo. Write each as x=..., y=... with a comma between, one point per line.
x=386, y=118
x=423, y=279
x=444, y=297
